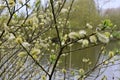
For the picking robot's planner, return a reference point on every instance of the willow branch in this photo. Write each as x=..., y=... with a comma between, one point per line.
x=55, y=22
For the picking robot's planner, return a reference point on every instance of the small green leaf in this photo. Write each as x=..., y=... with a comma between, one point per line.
x=52, y=58
x=107, y=23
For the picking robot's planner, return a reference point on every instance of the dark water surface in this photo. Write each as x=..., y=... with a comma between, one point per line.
x=74, y=62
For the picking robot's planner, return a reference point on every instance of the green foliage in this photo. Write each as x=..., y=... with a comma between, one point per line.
x=83, y=11
x=116, y=34
x=113, y=15
x=107, y=23
x=52, y=58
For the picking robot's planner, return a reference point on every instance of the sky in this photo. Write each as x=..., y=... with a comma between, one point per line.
x=43, y=3
x=110, y=4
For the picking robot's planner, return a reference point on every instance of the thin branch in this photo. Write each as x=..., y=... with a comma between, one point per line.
x=8, y=7
x=60, y=8
x=9, y=58
x=55, y=22
x=69, y=12
x=35, y=60
x=22, y=6
x=55, y=64
x=2, y=34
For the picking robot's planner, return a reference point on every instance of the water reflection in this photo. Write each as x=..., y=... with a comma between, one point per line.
x=111, y=71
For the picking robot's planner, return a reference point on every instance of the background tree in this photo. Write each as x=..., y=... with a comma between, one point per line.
x=113, y=15
x=84, y=11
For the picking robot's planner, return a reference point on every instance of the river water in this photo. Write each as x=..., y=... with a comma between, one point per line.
x=74, y=61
